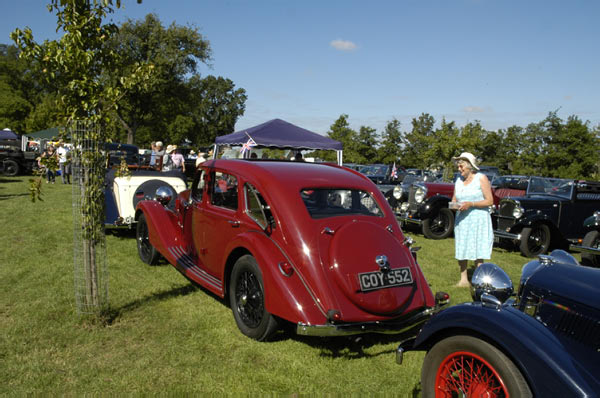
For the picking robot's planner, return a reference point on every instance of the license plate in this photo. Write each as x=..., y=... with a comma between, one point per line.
x=380, y=280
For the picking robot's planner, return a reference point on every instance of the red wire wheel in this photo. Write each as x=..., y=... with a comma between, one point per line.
x=465, y=366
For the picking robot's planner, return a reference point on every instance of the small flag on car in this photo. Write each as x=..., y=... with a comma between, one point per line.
x=249, y=144
x=394, y=171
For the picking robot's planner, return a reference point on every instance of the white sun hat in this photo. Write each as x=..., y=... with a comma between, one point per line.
x=469, y=157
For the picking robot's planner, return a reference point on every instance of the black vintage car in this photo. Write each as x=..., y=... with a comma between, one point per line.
x=590, y=245
x=551, y=214
x=543, y=343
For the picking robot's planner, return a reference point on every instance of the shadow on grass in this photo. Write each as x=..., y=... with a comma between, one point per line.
x=16, y=195
x=8, y=180
x=112, y=314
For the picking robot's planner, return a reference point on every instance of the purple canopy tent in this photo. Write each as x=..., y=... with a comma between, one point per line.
x=7, y=134
x=278, y=133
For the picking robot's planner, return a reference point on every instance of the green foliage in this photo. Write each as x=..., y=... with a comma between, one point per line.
x=390, y=150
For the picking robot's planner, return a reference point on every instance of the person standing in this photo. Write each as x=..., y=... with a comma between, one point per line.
x=158, y=156
x=152, y=162
x=167, y=160
x=48, y=160
x=178, y=159
x=64, y=162
x=473, y=232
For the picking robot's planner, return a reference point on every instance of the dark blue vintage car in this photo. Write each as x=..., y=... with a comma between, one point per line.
x=543, y=343
x=590, y=245
x=551, y=214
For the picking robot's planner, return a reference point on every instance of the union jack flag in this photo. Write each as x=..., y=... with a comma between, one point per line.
x=249, y=144
x=394, y=171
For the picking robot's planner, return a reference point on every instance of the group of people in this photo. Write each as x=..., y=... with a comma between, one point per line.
x=53, y=159
x=167, y=159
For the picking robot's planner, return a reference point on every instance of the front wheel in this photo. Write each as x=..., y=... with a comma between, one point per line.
x=465, y=366
x=535, y=240
x=247, y=300
x=146, y=251
x=11, y=168
x=591, y=239
x=440, y=226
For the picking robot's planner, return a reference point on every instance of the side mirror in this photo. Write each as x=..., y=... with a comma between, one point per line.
x=164, y=195
x=491, y=279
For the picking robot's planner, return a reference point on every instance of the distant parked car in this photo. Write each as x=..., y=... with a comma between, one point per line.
x=14, y=161
x=590, y=245
x=552, y=213
x=122, y=193
x=314, y=245
x=543, y=343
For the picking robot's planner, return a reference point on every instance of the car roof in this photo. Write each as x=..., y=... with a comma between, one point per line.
x=295, y=175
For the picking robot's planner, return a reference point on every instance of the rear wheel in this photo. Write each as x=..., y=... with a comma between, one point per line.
x=465, y=366
x=440, y=226
x=11, y=168
x=247, y=300
x=146, y=251
x=591, y=239
x=535, y=240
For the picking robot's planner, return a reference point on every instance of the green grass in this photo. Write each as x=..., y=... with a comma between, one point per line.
x=163, y=334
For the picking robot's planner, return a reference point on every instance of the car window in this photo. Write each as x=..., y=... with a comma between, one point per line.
x=257, y=207
x=330, y=202
x=224, y=190
x=198, y=185
x=552, y=186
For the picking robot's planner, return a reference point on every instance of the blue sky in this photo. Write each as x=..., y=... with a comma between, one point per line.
x=502, y=62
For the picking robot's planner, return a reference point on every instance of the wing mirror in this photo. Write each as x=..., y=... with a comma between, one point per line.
x=491, y=279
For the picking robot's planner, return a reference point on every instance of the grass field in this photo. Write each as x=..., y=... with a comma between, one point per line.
x=165, y=335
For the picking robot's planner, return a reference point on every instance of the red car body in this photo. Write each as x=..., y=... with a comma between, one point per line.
x=325, y=273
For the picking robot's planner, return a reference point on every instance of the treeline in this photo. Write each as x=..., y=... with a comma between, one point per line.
x=552, y=147
x=175, y=103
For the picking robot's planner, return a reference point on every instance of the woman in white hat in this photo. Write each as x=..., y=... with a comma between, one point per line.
x=473, y=232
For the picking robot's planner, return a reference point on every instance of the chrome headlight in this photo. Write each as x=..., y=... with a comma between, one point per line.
x=518, y=211
x=420, y=194
x=404, y=206
x=164, y=195
x=397, y=192
x=491, y=279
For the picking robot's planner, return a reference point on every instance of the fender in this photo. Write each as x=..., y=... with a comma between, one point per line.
x=529, y=220
x=287, y=297
x=163, y=228
x=539, y=354
x=433, y=203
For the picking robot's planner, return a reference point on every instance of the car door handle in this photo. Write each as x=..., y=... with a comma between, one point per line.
x=234, y=224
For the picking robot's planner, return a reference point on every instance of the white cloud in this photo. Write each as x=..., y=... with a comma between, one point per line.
x=343, y=45
x=473, y=109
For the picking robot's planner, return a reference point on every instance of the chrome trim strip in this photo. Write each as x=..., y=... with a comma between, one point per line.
x=187, y=262
x=506, y=235
x=584, y=249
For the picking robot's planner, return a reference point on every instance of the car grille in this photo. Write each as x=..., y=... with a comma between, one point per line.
x=505, y=215
x=412, y=204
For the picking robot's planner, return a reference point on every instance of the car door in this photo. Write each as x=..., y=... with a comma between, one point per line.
x=216, y=222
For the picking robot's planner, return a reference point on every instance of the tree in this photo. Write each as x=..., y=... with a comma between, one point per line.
x=366, y=145
x=390, y=150
x=76, y=63
x=415, y=142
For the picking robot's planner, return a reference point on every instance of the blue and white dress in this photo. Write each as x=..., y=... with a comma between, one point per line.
x=473, y=232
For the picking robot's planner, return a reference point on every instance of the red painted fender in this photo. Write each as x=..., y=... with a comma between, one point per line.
x=163, y=227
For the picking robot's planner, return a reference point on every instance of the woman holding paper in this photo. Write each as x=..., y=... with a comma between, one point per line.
x=473, y=233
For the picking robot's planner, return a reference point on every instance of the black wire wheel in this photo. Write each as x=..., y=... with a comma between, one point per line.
x=440, y=225
x=535, y=240
x=10, y=167
x=146, y=251
x=247, y=300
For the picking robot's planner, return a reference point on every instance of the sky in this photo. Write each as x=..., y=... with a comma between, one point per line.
x=500, y=62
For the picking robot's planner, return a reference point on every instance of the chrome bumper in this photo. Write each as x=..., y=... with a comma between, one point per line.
x=395, y=326
x=506, y=235
x=585, y=249
x=405, y=218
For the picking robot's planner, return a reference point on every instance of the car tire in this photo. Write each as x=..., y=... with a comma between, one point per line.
x=535, y=240
x=247, y=300
x=146, y=251
x=467, y=366
x=10, y=167
x=440, y=226
x=591, y=239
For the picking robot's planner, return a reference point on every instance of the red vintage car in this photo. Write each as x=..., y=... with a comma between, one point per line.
x=315, y=245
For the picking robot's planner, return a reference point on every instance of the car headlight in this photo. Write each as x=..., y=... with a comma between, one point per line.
x=420, y=195
x=517, y=212
x=397, y=192
x=404, y=206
